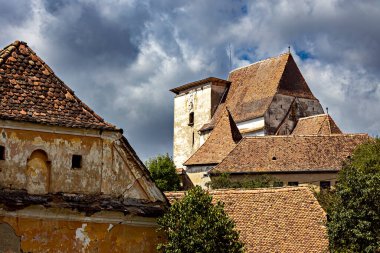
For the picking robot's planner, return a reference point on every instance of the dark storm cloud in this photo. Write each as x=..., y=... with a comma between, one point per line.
x=15, y=12
x=122, y=56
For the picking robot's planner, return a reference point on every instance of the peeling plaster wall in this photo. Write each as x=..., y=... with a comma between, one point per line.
x=310, y=178
x=47, y=234
x=106, y=165
x=284, y=111
x=187, y=138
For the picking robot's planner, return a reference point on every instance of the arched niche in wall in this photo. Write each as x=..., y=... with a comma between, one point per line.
x=38, y=173
x=9, y=241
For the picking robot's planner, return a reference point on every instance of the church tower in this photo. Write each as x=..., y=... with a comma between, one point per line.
x=194, y=106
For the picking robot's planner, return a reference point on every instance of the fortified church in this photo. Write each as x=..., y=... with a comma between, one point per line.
x=263, y=119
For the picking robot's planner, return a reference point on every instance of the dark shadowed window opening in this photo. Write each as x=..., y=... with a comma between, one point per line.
x=2, y=153
x=76, y=162
x=191, y=119
x=292, y=183
x=325, y=184
x=274, y=158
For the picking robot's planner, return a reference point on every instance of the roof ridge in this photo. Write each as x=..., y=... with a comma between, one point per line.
x=7, y=51
x=37, y=64
x=260, y=61
x=304, y=135
x=313, y=116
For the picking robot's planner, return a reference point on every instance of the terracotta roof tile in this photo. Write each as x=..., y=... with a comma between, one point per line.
x=274, y=220
x=220, y=142
x=321, y=124
x=290, y=153
x=30, y=91
x=253, y=87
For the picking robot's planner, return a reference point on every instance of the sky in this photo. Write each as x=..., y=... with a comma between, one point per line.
x=121, y=57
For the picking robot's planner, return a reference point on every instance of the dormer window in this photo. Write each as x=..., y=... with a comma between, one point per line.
x=191, y=119
x=76, y=162
x=2, y=153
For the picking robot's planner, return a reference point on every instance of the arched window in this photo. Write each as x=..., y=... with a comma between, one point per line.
x=9, y=241
x=38, y=173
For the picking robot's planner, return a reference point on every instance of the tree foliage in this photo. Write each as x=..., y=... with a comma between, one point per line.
x=354, y=221
x=224, y=181
x=194, y=224
x=163, y=172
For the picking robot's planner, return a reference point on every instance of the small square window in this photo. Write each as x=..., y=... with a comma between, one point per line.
x=76, y=162
x=292, y=183
x=2, y=153
x=325, y=184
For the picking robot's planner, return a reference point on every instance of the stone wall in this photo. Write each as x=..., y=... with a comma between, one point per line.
x=37, y=230
x=284, y=111
x=186, y=137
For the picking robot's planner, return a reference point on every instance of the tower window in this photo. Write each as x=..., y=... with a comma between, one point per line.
x=76, y=162
x=2, y=153
x=191, y=119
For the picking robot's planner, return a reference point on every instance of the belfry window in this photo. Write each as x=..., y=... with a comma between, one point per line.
x=76, y=162
x=2, y=153
x=191, y=119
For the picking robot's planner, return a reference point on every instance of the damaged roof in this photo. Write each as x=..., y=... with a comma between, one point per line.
x=220, y=142
x=295, y=153
x=253, y=87
x=321, y=124
x=286, y=219
x=31, y=92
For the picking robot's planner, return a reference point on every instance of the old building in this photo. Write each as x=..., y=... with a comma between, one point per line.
x=274, y=220
x=264, y=98
x=292, y=160
x=269, y=98
x=69, y=181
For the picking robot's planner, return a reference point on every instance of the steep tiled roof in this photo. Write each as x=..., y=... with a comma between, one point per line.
x=290, y=153
x=220, y=142
x=30, y=91
x=274, y=220
x=254, y=86
x=318, y=124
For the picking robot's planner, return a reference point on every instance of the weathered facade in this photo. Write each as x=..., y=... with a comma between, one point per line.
x=264, y=98
x=69, y=181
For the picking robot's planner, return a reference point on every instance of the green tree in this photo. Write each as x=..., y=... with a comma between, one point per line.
x=354, y=219
x=194, y=224
x=224, y=181
x=163, y=172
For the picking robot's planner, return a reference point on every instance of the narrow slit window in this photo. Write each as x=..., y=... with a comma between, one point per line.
x=76, y=162
x=292, y=183
x=2, y=153
x=191, y=119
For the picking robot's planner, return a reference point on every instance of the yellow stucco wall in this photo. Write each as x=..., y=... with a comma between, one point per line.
x=107, y=166
x=49, y=235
